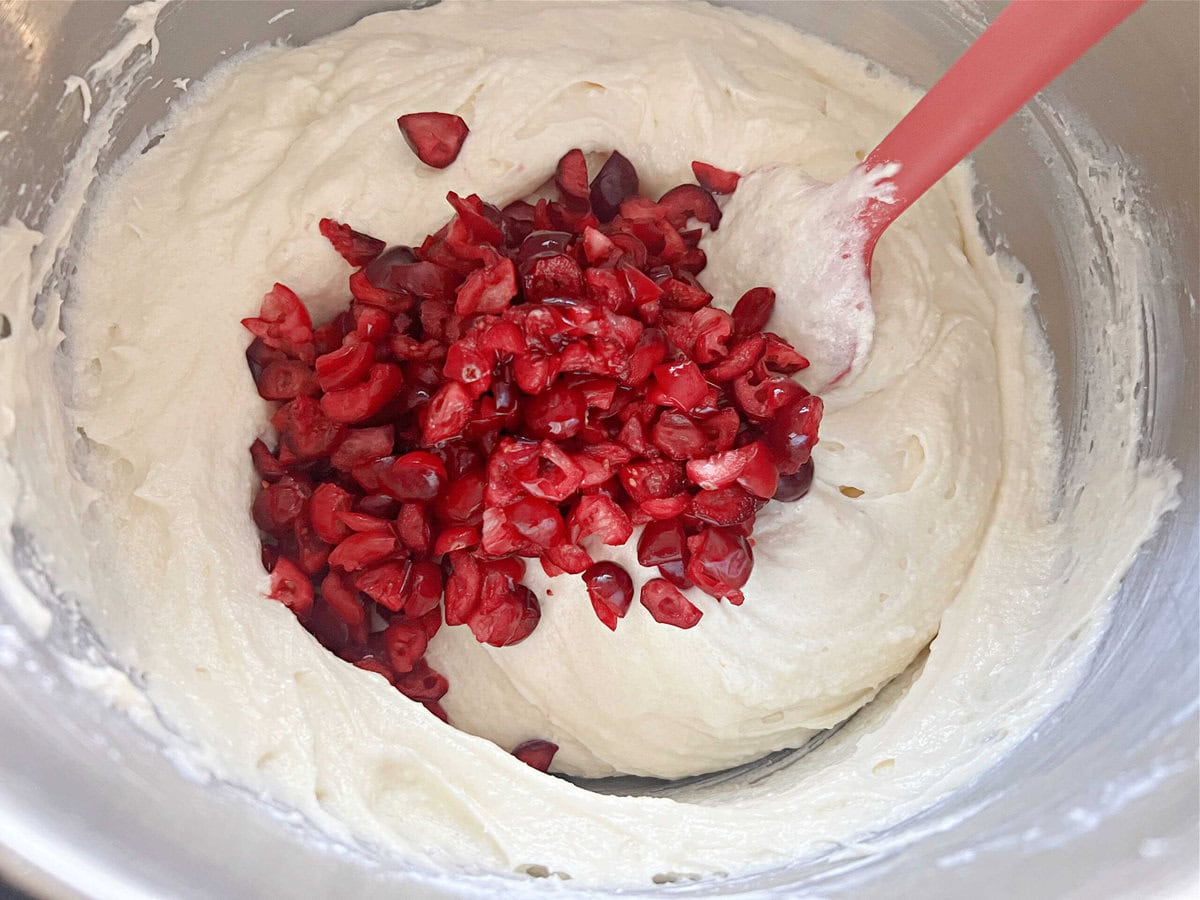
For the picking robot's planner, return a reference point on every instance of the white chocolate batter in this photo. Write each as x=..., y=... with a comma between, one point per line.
x=947, y=430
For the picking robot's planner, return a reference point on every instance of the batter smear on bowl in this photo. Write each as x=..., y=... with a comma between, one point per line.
x=533, y=382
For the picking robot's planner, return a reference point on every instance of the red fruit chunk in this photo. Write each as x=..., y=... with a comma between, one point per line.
x=599, y=515
x=616, y=182
x=667, y=605
x=356, y=248
x=345, y=367
x=674, y=573
x=570, y=177
x=265, y=462
x=719, y=563
x=652, y=480
x=291, y=587
x=462, y=502
x=507, y=612
x=283, y=324
x=556, y=477
x=343, y=600
x=422, y=683
x=730, y=505
x=710, y=331
x=536, y=521
x=741, y=358
x=570, y=558
x=610, y=589
x=285, y=379
x=365, y=399
x=307, y=431
x=405, y=643
x=719, y=181
x=681, y=384
x=537, y=754
x=463, y=584
x=327, y=501
x=424, y=590
x=780, y=356
x=278, y=505
x=664, y=507
x=414, y=476
x=792, y=434
x=447, y=414
x=361, y=550
x=689, y=201
x=385, y=583
x=749, y=466
x=556, y=414
x=456, y=537
x=413, y=528
x=793, y=487
x=662, y=542
x=363, y=445
x=487, y=290
x=678, y=436
x=753, y=310
x=436, y=138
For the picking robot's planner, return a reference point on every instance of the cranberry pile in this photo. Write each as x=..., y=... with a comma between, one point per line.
x=526, y=383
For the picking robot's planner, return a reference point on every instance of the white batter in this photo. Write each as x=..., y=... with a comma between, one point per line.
x=947, y=430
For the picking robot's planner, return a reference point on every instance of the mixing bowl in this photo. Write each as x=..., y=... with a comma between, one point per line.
x=1093, y=187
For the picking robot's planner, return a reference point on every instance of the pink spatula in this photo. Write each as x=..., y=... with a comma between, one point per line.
x=824, y=288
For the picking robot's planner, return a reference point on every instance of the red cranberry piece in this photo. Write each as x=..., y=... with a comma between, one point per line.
x=792, y=433
x=740, y=360
x=730, y=505
x=761, y=398
x=793, y=487
x=571, y=179
x=361, y=550
x=678, y=436
x=345, y=367
x=719, y=181
x=750, y=466
x=681, y=384
x=537, y=754
x=422, y=683
x=291, y=587
x=616, y=182
x=356, y=248
x=265, y=462
x=667, y=605
x=426, y=280
x=674, y=573
x=283, y=324
x=557, y=477
x=610, y=589
x=660, y=508
x=424, y=589
x=487, y=290
x=418, y=475
x=463, y=584
x=405, y=643
x=343, y=600
x=365, y=399
x=285, y=379
x=689, y=201
x=436, y=138
x=569, y=558
x=782, y=357
x=363, y=445
x=661, y=542
x=537, y=521
x=327, y=501
x=507, y=613
x=557, y=414
x=413, y=528
x=599, y=515
x=278, y=505
x=447, y=414
x=709, y=333
x=652, y=480
x=752, y=312
x=462, y=502
x=719, y=563
x=308, y=431
x=552, y=276
x=386, y=583
x=456, y=537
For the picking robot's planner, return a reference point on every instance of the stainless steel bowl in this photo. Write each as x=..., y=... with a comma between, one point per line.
x=1100, y=801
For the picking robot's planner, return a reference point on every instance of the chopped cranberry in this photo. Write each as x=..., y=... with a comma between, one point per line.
x=667, y=605
x=307, y=431
x=719, y=563
x=731, y=505
x=418, y=475
x=285, y=379
x=363, y=400
x=537, y=754
x=691, y=202
x=363, y=549
x=680, y=384
x=291, y=586
x=356, y=248
x=662, y=542
x=793, y=487
x=363, y=445
x=792, y=434
x=557, y=414
x=599, y=515
x=283, y=323
x=713, y=179
x=405, y=643
x=435, y=137
x=327, y=501
x=422, y=683
x=345, y=367
x=615, y=183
